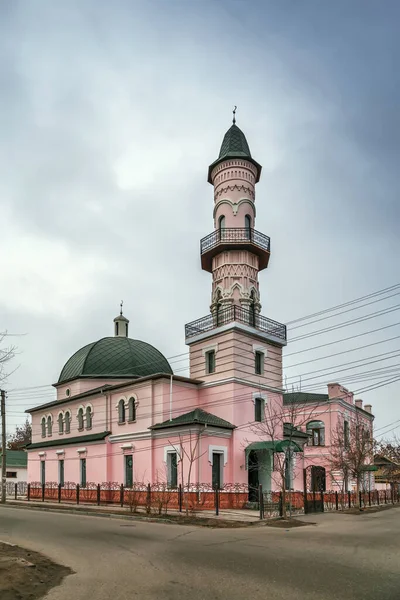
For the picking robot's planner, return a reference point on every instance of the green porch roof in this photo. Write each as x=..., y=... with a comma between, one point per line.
x=273, y=446
x=64, y=441
x=16, y=458
x=369, y=468
x=195, y=417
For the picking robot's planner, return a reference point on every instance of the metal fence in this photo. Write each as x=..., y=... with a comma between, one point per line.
x=159, y=498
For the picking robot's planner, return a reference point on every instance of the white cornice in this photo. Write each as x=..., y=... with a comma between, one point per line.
x=253, y=384
x=131, y=436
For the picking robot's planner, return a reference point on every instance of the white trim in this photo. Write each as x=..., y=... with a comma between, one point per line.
x=258, y=395
x=171, y=450
x=247, y=382
x=79, y=408
x=185, y=429
x=127, y=446
x=210, y=349
x=41, y=453
x=121, y=397
x=81, y=450
x=60, y=451
x=262, y=349
x=124, y=437
x=217, y=450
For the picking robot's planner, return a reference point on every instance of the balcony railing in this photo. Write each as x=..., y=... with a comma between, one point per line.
x=235, y=235
x=236, y=313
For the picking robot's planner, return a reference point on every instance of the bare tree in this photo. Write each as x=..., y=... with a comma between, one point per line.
x=351, y=450
x=21, y=437
x=187, y=450
x=387, y=457
x=280, y=425
x=6, y=354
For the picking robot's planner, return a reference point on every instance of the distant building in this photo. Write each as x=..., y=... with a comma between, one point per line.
x=16, y=465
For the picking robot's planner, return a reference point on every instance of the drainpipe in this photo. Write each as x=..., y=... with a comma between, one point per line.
x=170, y=398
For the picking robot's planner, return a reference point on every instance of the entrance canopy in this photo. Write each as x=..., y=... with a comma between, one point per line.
x=273, y=446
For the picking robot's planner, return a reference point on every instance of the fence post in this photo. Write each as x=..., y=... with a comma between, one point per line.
x=29, y=492
x=59, y=492
x=148, y=499
x=385, y=497
x=305, y=491
x=369, y=497
x=392, y=494
x=121, y=495
x=360, y=499
x=280, y=504
x=322, y=501
x=337, y=500
x=180, y=497
x=314, y=502
x=261, y=501
x=16, y=491
x=43, y=488
x=377, y=496
x=77, y=493
x=216, y=500
x=98, y=494
x=349, y=498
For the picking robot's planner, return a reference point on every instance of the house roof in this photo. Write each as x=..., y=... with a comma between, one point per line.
x=16, y=458
x=79, y=439
x=195, y=417
x=303, y=398
x=289, y=431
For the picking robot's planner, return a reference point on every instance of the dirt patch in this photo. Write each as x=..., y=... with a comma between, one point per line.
x=287, y=523
x=368, y=509
x=26, y=575
x=201, y=521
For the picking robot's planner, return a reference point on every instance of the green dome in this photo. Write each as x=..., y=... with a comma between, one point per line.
x=115, y=357
x=234, y=145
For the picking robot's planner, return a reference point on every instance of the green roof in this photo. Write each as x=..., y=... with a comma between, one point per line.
x=234, y=145
x=115, y=357
x=304, y=398
x=195, y=417
x=274, y=446
x=289, y=431
x=64, y=441
x=16, y=458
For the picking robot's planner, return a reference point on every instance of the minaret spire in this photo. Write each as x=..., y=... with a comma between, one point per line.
x=121, y=323
x=234, y=115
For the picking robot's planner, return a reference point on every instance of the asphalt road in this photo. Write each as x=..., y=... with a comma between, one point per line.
x=344, y=557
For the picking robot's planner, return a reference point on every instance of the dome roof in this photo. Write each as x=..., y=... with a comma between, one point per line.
x=234, y=145
x=115, y=357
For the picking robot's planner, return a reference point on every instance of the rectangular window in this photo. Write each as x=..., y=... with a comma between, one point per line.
x=346, y=434
x=172, y=470
x=210, y=361
x=61, y=472
x=258, y=409
x=11, y=474
x=217, y=463
x=42, y=472
x=129, y=470
x=83, y=472
x=259, y=363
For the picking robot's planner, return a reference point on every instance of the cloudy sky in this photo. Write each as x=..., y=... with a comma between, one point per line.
x=111, y=112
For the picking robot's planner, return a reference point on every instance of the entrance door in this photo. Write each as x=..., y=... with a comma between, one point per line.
x=216, y=470
x=318, y=479
x=253, y=475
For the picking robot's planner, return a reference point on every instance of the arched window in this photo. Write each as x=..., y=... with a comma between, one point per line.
x=221, y=226
x=218, y=307
x=80, y=419
x=43, y=426
x=88, y=418
x=247, y=224
x=60, y=423
x=252, y=315
x=121, y=411
x=126, y=329
x=132, y=409
x=49, y=425
x=316, y=429
x=67, y=422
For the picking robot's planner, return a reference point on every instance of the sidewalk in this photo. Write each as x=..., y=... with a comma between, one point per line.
x=240, y=516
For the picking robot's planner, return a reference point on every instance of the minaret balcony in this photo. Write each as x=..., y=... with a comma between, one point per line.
x=245, y=318
x=234, y=238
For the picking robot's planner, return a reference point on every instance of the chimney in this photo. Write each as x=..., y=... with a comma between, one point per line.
x=368, y=408
x=358, y=403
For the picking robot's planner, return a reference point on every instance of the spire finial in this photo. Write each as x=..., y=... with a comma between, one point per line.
x=234, y=115
x=121, y=305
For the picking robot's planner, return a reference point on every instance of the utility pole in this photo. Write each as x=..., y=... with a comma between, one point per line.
x=3, y=444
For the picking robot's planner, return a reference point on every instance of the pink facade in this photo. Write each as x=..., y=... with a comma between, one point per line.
x=122, y=416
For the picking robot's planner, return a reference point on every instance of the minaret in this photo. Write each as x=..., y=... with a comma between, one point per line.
x=121, y=324
x=234, y=253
